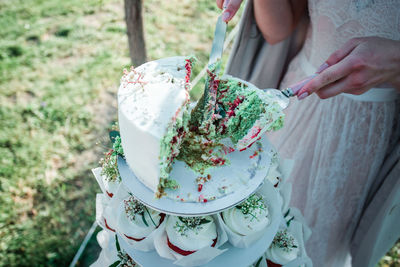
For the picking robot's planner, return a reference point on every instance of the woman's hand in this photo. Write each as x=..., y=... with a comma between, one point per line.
x=230, y=6
x=359, y=65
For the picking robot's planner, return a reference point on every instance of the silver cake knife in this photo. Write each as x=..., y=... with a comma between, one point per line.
x=218, y=43
x=215, y=55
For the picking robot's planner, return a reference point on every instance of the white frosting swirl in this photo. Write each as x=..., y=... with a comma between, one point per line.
x=191, y=239
x=246, y=224
x=283, y=255
x=134, y=225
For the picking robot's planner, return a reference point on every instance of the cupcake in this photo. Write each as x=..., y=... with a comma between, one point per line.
x=283, y=249
x=137, y=221
x=186, y=235
x=251, y=216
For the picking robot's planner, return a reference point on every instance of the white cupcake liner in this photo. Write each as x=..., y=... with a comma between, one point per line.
x=106, y=209
x=103, y=219
x=107, y=187
x=274, y=203
x=300, y=232
x=298, y=216
x=285, y=193
x=285, y=168
x=296, y=229
x=146, y=244
x=108, y=213
x=104, y=238
x=108, y=254
x=200, y=257
x=106, y=258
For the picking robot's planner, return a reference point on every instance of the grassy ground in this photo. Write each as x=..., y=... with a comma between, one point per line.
x=60, y=64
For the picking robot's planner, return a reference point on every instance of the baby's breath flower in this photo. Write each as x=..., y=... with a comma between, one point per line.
x=253, y=206
x=283, y=239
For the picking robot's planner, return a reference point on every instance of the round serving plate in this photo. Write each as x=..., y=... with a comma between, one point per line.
x=229, y=184
x=233, y=256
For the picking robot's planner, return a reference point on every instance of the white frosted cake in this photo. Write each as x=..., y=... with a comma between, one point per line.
x=152, y=110
x=158, y=127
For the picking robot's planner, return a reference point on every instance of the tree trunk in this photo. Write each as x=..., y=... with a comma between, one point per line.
x=134, y=25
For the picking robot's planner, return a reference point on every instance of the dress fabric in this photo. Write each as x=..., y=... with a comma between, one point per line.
x=338, y=144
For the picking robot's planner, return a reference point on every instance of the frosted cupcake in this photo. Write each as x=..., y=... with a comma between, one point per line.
x=138, y=221
x=284, y=249
x=248, y=218
x=186, y=235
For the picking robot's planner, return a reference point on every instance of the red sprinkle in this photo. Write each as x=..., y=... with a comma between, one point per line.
x=109, y=194
x=218, y=161
x=199, y=187
x=255, y=134
x=254, y=154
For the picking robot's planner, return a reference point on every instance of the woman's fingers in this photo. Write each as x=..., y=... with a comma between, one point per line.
x=338, y=87
x=220, y=3
x=335, y=88
x=231, y=8
x=328, y=76
x=344, y=51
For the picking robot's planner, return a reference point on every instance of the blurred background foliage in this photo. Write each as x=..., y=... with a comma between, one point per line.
x=60, y=64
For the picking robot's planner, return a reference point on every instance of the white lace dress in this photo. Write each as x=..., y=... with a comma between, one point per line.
x=338, y=144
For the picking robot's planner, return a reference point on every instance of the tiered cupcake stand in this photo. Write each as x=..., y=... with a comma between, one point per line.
x=229, y=185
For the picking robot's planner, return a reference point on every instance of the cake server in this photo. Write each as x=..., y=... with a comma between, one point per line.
x=215, y=55
x=218, y=43
x=282, y=96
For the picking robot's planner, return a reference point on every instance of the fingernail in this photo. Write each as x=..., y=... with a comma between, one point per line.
x=297, y=86
x=302, y=96
x=226, y=3
x=225, y=16
x=322, y=68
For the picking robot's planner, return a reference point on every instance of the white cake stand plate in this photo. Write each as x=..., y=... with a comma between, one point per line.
x=228, y=186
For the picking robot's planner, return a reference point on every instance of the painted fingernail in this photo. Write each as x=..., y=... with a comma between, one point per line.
x=302, y=96
x=225, y=16
x=297, y=86
x=226, y=3
x=322, y=67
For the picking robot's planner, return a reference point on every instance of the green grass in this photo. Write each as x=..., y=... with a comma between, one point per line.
x=60, y=64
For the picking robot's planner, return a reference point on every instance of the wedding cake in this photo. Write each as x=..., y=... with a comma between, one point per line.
x=157, y=125
x=153, y=113
x=158, y=128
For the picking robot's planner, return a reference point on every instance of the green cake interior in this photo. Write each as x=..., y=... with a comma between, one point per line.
x=231, y=109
